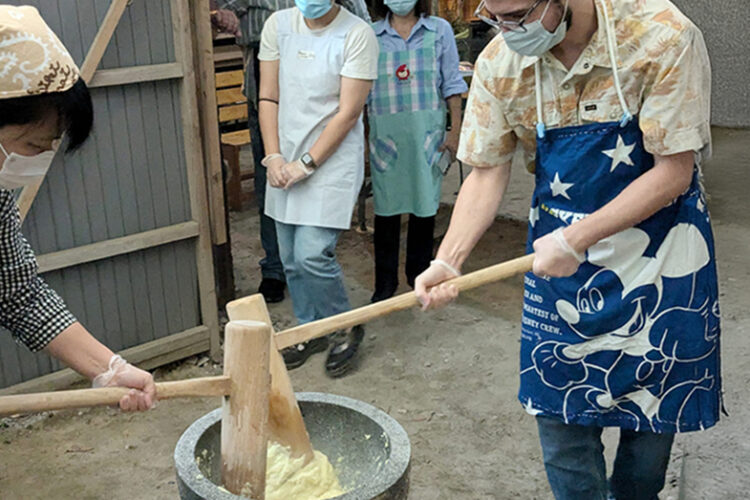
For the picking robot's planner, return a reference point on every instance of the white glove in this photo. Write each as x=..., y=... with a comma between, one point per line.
x=122, y=374
x=294, y=172
x=430, y=289
x=275, y=163
x=554, y=257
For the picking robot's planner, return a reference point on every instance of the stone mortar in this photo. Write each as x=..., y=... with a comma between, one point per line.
x=369, y=450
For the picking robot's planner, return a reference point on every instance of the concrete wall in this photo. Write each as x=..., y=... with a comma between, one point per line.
x=725, y=24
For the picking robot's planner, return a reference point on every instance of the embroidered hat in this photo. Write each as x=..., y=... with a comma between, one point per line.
x=32, y=58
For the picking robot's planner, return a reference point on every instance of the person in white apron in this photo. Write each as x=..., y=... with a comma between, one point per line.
x=417, y=75
x=317, y=66
x=42, y=97
x=621, y=315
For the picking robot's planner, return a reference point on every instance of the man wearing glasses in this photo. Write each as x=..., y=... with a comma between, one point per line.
x=608, y=101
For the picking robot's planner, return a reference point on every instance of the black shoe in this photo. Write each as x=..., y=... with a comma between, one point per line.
x=382, y=295
x=343, y=350
x=296, y=355
x=272, y=290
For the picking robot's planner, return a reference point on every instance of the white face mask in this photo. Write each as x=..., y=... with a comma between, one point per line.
x=536, y=40
x=19, y=170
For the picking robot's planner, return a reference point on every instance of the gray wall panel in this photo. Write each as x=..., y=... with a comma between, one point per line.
x=128, y=178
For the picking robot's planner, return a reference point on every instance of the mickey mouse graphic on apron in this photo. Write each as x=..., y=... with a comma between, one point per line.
x=632, y=338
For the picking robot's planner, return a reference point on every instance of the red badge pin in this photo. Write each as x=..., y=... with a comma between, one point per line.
x=402, y=72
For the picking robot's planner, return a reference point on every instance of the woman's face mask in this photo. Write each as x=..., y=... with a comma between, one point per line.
x=400, y=7
x=313, y=9
x=536, y=40
x=19, y=170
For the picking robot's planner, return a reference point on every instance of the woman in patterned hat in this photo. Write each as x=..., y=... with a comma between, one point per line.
x=418, y=79
x=42, y=99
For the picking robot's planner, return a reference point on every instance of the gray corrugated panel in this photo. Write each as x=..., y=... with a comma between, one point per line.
x=158, y=48
x=170, y=123
x=10, y=366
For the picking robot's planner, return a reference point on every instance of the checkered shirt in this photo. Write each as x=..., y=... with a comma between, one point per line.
x=32, y=312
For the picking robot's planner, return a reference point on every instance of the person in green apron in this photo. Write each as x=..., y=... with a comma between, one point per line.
x=609, y=102
x=417, y=75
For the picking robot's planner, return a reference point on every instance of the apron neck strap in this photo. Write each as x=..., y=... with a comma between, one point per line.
x=612, y=49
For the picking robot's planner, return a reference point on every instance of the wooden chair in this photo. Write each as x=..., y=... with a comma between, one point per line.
x=234, y=132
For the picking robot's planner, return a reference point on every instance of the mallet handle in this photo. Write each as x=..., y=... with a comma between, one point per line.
x=322, y=327
x=60, y=400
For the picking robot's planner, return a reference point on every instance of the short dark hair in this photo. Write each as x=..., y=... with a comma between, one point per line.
x=380, y=10
x=75, y=111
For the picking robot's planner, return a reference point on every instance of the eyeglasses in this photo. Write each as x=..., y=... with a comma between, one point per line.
x=491, y=19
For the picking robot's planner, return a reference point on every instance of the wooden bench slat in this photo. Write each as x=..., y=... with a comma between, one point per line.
x=232, y=113
x=236, y=138
x=229, y=78
x=232, y=95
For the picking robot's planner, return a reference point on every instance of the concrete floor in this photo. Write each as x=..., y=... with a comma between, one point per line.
x=449, y=377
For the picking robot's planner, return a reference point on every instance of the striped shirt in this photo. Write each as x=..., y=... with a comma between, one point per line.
x=253, y=14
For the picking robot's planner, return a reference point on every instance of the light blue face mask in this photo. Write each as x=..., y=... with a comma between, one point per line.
x=313, y=9
x=536, y=40
x=400, y=7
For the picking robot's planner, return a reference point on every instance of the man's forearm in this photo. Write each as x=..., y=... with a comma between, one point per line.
x=332, y=136
x=78, y=349
x=454, y=106
x=268, y=116
x=649, y=193
x=476, y=208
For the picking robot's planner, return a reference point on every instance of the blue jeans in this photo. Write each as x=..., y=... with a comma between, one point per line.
x=574, y=461
x=270, y=265
x=313, y=274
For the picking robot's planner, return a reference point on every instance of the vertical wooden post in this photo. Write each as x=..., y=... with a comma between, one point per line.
x=195, y=174
x=285, y=423
x=245, y=411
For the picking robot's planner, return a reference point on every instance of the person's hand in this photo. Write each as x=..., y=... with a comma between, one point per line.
x=294, y=172
x=554, y=257
x=450, y=143
x=226, y=22
x=142, y=394
x=274, y=163
x=430, y=288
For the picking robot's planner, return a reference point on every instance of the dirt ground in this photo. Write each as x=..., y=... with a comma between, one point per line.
x=449, y=377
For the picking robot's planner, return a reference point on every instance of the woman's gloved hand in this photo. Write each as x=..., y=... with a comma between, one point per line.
x=274, y=163
x=294, y=172
x=431, y=292
x=122, y=374
x=554, y=257
x=451, y=143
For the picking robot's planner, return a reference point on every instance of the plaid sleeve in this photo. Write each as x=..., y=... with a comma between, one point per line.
x=29, y=308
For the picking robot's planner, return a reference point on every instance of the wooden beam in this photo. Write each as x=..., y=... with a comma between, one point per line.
x=135, y=74
x=90, y=63
x=116, y=246
x=207, y=109
x=147, y=356
x=195, y=172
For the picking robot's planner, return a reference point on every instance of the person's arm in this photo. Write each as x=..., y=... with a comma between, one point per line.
x=354, y=94
x=452, y=84
x=351, y=103
x=78, y=349
x=268, y=103
x=476, y=208
x=451, y=137
x=649, y=193
x=38, y=317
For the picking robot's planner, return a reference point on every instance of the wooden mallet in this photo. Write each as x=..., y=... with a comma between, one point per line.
x=254, y=407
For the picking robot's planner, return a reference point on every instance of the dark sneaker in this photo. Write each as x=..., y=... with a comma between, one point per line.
x=296, y=355
x=272, y=290
x=344, y=345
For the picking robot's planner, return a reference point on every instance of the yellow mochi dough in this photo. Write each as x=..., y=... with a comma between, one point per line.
x=287, y=479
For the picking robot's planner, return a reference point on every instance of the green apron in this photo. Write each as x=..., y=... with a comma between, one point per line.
x=407, y=116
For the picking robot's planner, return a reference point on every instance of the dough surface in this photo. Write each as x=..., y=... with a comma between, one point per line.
x=287, y=479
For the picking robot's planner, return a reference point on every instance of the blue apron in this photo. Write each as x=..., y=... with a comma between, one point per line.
x=631, y=340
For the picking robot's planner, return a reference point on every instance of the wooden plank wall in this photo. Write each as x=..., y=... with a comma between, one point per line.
x=130, y=177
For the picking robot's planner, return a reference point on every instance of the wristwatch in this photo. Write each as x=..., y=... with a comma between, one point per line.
x=308, y=161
